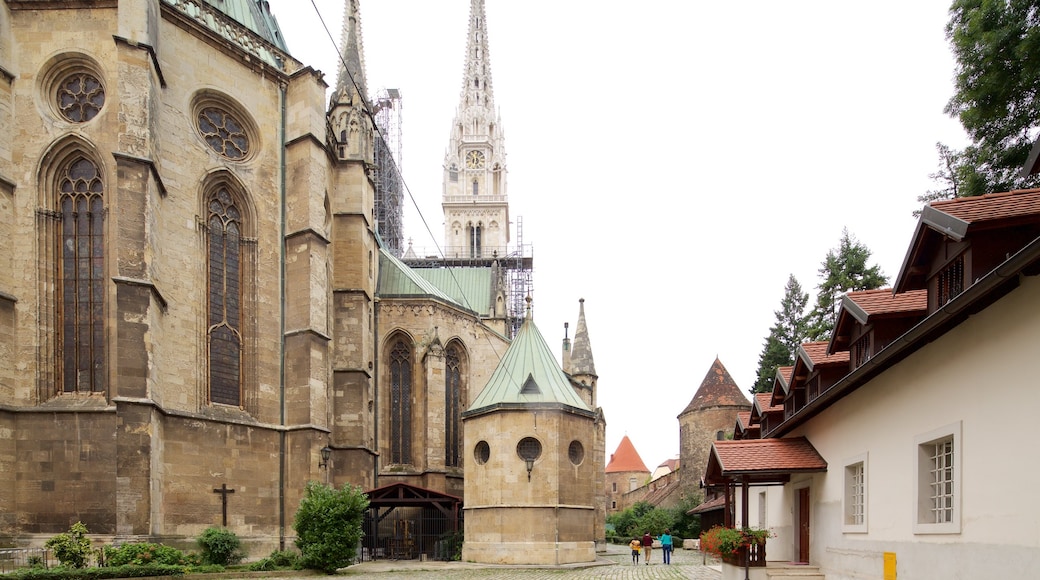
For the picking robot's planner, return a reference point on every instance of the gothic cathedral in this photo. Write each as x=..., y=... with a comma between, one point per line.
x=199, y=312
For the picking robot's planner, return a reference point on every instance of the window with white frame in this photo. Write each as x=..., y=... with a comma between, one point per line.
x=938, y=481
x=632, y=484
x=855, y=497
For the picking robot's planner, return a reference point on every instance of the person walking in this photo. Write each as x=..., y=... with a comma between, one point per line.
x=648, y=543
x=666, y=546
x=634, y=545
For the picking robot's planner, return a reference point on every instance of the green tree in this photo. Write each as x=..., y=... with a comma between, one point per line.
x=328, y=525
x=72, y=548
x=996, y=90
x=947, y=177
x=843, y=270
x=785, y=335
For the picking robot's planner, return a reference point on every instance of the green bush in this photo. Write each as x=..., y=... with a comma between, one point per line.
x=63, y=573
x=220, y=546
x=328, y=526
x=277, y=560
x=72, y=548
x=147, y=553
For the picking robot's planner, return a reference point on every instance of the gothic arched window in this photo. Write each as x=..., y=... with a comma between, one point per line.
x=81, y=277
x=452, y=406
x=475, y=232
x=401, y=402
x=224, y=328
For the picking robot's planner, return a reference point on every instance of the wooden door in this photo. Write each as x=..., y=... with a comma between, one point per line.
x=803, y=525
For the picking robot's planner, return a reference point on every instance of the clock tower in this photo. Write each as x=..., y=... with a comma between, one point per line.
x=476, y=207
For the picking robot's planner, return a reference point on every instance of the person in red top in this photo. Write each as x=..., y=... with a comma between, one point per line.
x=648, y=542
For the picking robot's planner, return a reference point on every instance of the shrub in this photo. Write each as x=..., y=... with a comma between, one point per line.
x=220, y=546
x=328, y=526
x=145, y=553
x=72, y=548
x=277, y=560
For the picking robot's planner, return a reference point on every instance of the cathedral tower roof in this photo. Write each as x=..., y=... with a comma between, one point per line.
x=527, y=376
x=581, y=362
x=352, y=63
x=625, y=458
x=476, y=78
x=718, y=389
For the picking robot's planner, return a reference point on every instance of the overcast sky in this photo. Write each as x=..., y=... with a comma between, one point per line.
x=672, y=161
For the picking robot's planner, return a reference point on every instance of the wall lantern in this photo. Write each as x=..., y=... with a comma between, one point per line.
x=326, y=453
x=530, y=466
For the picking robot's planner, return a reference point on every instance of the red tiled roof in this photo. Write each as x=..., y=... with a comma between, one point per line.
x=718, y=389
x=744, y=419
x=781, y=383
x=992, y=206
x=762, y=459
x=882, y=301
x=709, y=506
x=625, y=458
x=817, y=353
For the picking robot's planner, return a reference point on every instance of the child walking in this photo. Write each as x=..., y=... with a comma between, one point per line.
x=635, y=545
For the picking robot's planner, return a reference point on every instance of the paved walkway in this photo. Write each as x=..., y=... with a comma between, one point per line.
x=615, y=564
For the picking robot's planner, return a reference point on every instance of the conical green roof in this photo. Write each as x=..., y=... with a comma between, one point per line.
x=528, y=376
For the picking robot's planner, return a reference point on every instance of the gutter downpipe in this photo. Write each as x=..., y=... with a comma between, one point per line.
x=375, y=388
x=281, y=330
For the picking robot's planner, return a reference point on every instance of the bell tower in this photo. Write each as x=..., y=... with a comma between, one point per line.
x=476, y=207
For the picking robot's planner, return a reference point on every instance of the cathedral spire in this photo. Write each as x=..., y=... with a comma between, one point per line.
x=476, y=206
x=476, y=79
x=351, y=52
x=581, y=352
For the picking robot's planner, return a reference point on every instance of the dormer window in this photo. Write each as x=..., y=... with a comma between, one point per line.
x=860, y=351
x=950, y=281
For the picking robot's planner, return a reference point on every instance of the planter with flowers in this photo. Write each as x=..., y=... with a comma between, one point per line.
x=736, y=546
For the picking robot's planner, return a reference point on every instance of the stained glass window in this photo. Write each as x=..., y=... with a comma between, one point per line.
x=401, y=403
x=452, y=406
x=82, y=277
x=225, y=304
x=80, y=97
x=223, y=133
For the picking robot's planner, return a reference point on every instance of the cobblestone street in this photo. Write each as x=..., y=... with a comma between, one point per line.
x=615, y=564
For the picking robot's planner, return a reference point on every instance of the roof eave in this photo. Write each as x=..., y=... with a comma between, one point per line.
x=915, y=338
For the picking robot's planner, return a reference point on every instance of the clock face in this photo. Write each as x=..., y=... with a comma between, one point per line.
x=475, y=159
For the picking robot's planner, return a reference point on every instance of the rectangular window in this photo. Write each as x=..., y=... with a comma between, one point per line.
x=855, y=497
x=632, y=485
x=938, y=481
x=613, y=487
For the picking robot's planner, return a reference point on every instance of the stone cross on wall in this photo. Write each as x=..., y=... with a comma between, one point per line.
x=223, y=491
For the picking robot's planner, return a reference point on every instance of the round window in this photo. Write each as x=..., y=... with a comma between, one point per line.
x=79, y=96
x=223, y=133
x=482, y=452
x=576, y=452
x=529, y=449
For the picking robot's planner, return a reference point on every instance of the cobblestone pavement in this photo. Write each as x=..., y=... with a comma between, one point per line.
x=615, y=564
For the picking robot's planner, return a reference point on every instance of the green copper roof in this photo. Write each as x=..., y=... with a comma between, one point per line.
x=256, y=16
x=470, y=287
x=527, y=376
x=396, y=279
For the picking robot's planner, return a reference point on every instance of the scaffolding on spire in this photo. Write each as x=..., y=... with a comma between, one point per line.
x=389, y=202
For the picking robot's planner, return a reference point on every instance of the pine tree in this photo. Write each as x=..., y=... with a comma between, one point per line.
x=784, y=336
x=843, y=270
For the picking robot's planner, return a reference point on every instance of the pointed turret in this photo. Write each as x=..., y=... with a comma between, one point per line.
x=710, y=416
x=581, y=351
x=348, y=112
x=718, y=389
x=476, y=210
x=626, y=459
x=351, y=77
